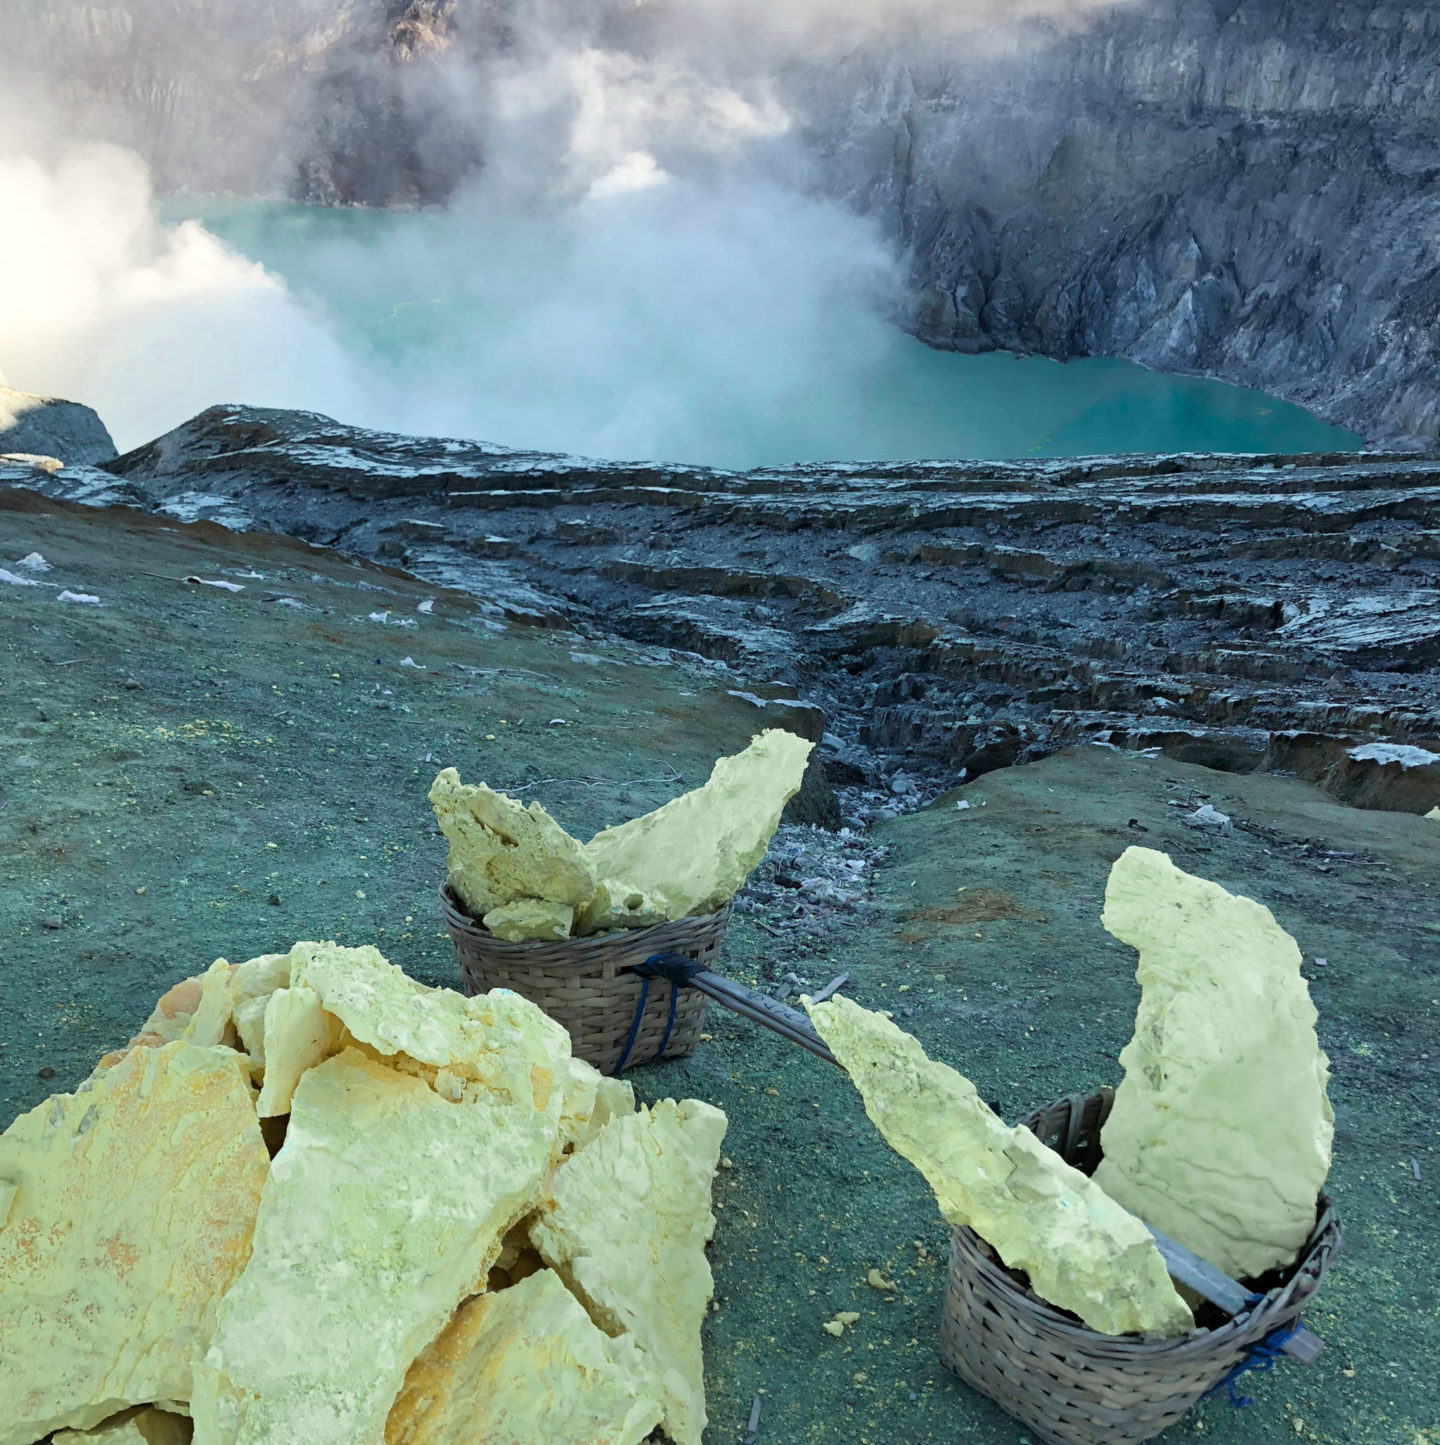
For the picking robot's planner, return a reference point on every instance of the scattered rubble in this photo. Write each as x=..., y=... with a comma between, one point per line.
x=1081, y=1250
x=1221, y=1130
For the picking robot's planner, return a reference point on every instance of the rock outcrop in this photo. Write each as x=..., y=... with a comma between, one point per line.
x=41, y=426
x=1248, y=613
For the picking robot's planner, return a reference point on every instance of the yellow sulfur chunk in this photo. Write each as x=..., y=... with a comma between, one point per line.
x=1082, y=1251
x=250, y=1026
x=146, y=1426
x=528, y=918
x=1434, y=813
x=135, y=1198
x=500, y=850
x=592, y=1099
x=626, y=1226
x=617, y=904
x=383, y=1210
x=298, y=1035
x=499, y=1040
x=693, y=855
x=251, y=984
x=1221, y=1130
x=525, y=1367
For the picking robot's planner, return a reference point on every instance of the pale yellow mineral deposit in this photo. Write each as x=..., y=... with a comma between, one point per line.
x=251, y=984
x=531, y=918
x=135, y=1199
x=383, y=1210
x=1221, y=1130
x=1434, y=813
x=501, y=850
x=1082, y=1251
x=146, y=1426
x=618, y=904
x=626, y=1226
x=692, y=855
x=298, y=1034
x=525, y=1367
x=498, y=1040
x=591, y=1100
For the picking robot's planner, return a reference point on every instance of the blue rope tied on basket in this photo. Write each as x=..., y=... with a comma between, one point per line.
x=677, y=970
x=1260, y=1356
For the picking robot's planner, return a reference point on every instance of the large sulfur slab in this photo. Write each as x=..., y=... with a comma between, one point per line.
x=498, y=1040
x=500, y=850
x=383, y=1210
x=146, y=1426
x=134, y=1201
x=692, y=855
x=525, y=1367
x=1221, y=1130
x=1082, y=1251
x=626, y=1225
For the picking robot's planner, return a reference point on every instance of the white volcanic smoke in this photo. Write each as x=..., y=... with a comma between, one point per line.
x=637, y=271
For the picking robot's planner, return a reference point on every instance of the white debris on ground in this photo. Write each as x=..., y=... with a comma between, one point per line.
x=88, y=598
x=1402, y=753
x=33, y=562
x=345, y=1273
x=1210, y=819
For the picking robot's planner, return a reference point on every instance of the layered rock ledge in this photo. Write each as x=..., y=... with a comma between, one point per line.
x=1246, y=613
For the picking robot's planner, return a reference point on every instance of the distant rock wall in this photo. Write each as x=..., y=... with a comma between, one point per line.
x=1247, y=189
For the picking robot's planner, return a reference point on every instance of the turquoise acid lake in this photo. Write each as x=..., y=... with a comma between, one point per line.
x=508, y=333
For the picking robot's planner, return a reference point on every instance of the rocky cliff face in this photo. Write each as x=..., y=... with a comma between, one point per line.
x=1248, y=189
x=1244, y=188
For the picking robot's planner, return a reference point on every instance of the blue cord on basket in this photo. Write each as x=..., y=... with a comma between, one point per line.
x=1262, y=1355
x=634, y=1025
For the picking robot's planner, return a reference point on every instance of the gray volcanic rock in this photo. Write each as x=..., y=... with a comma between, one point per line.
x=1240, y=188
x=1246, y=613
x=44, y=427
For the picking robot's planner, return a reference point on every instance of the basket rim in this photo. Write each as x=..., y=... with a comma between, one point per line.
x=559, y=953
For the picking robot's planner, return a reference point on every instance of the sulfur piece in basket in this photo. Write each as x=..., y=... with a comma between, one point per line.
x=521, y=1367
x=1081, y=1250
x=531, y=918
x=1222, y=1128
x=692, y=855
x=384, y=1209
x=500, y=850
x=626, y=1225
x=126, y=1209
x=618, y=904
x=146, y=1426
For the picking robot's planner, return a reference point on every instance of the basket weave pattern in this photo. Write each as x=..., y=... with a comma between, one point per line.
x=1072, y=1385
x=588, y=984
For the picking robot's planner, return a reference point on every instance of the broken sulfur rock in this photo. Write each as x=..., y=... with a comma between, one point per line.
x=694, y=854
x=525, y=1367
x=1082, y=1251
x=383, y=1210
x=1221, y=1131
x=528, y=918
x=626, y=1227
x=501, y=850
x=134, y=1201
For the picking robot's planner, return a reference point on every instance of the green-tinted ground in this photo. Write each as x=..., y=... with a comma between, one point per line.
x=135, y=846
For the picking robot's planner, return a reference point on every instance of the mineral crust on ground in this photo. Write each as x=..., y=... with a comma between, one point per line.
x=626, y=1226
x=501, y=851
x=132, y=1212
x=1221, y=1131
x=1081, y=1250
x=692, y=855
x=525, y=1367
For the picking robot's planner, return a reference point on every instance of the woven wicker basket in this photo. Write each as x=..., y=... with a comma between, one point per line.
x=589, y=986
x=1070, y=1384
